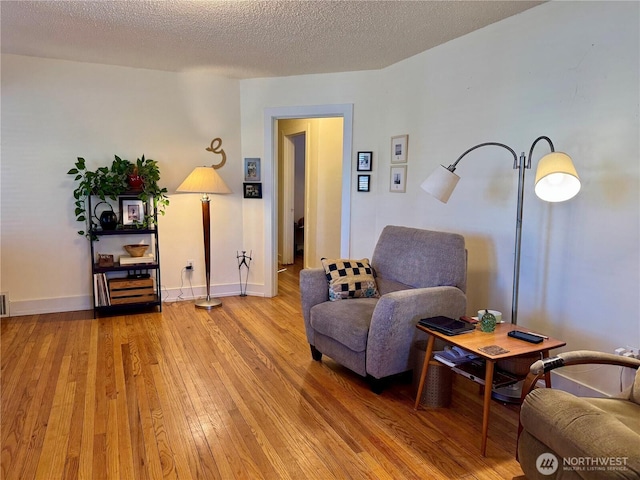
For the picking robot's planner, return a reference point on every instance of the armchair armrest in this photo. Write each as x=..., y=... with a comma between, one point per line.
x=578, y=357
x=392, y=328
x=314, y=289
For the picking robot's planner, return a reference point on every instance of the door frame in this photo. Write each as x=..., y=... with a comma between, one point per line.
x=271, y=116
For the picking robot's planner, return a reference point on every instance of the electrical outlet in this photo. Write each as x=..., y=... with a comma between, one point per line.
x=189, y=265
x=634, y=351
x=630, y=352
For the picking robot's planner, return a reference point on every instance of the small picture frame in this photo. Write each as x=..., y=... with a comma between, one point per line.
x=365, y=161
x=399, y=149
x=398, y=180
x=252, y=170
x=131, y=211
x=252, y=190
x=363, y=183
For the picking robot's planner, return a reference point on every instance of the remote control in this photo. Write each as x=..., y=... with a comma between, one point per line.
x=527, y=337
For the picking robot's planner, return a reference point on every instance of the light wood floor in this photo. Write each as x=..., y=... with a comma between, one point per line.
x=231, y=393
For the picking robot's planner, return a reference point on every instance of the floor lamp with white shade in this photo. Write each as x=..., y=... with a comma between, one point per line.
x=205, y=180
x=556, y=181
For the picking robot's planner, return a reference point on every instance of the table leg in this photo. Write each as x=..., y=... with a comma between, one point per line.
x=425, y=366
x=488, y=382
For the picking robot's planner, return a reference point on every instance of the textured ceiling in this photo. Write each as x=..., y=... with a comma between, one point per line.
x=243, y=39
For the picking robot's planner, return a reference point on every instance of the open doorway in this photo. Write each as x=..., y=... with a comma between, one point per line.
x=313, y=145
x=340, y=178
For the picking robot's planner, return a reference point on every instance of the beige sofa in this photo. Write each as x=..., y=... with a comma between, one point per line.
x=562, y=436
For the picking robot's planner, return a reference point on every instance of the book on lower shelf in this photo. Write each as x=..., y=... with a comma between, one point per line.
x=453, y=356
x=101, y=296
x=129, y=260
x=475, y=370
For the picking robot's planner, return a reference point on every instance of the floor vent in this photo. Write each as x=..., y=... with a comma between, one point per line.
x=4, y=305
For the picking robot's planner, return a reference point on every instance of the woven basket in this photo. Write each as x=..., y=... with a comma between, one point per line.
x=136, y=250
x=437, y=385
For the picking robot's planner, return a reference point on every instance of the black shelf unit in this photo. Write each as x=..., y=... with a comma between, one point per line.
x=135, y=271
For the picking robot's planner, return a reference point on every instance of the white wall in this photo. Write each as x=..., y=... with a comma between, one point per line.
x=568, y=70
x=564, y=69
x=54, y=111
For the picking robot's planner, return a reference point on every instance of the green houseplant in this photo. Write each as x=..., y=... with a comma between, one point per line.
x=111, y=182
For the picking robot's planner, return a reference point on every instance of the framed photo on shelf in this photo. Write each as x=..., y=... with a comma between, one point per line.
x=365, y=161
x=252, y=190
x=363, y=183
x=399, y=149
x=131, y=211
x=398, y=180
x=251, y=169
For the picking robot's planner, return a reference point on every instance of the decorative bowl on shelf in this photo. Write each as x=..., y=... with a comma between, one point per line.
x=136, y=250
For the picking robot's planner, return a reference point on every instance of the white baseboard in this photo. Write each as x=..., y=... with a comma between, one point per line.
x=71, y=304
x=50, y=305
x=179, y=294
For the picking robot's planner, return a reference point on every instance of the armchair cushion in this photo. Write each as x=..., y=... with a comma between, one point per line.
x=350, y=278
x=348, y=321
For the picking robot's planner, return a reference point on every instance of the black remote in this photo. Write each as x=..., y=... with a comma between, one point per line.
x=525, y=336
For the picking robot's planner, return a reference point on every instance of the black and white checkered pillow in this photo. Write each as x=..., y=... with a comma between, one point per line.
x=350, y=278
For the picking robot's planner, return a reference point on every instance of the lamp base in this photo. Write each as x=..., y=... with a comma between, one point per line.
x=208, y=303
x=509, y=394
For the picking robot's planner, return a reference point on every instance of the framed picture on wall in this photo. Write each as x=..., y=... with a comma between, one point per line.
x=363, y=183
x=251, y=169
x=399, y=149
x=365, y=160
x=398, y=180
x=252, y=190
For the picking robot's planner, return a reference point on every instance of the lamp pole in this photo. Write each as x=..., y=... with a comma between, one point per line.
x=521, y=165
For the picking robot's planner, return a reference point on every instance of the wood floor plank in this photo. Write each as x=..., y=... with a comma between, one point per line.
x=54, y=448
x=230, y=393
x=85, y=467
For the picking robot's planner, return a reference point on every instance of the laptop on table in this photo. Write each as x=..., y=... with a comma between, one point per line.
x=446, y=325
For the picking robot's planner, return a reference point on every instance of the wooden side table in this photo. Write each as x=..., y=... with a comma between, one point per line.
x=477, y=339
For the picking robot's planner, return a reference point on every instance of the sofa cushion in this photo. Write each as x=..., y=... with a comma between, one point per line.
x=347, y=322
x=350, y=278
x=628, y=413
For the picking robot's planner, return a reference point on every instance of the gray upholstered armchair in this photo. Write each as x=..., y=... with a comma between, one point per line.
x=561, y=435
x=419, y=273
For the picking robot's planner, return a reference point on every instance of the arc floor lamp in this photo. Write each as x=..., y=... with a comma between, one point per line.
x=205, y=180
x=556, y=181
